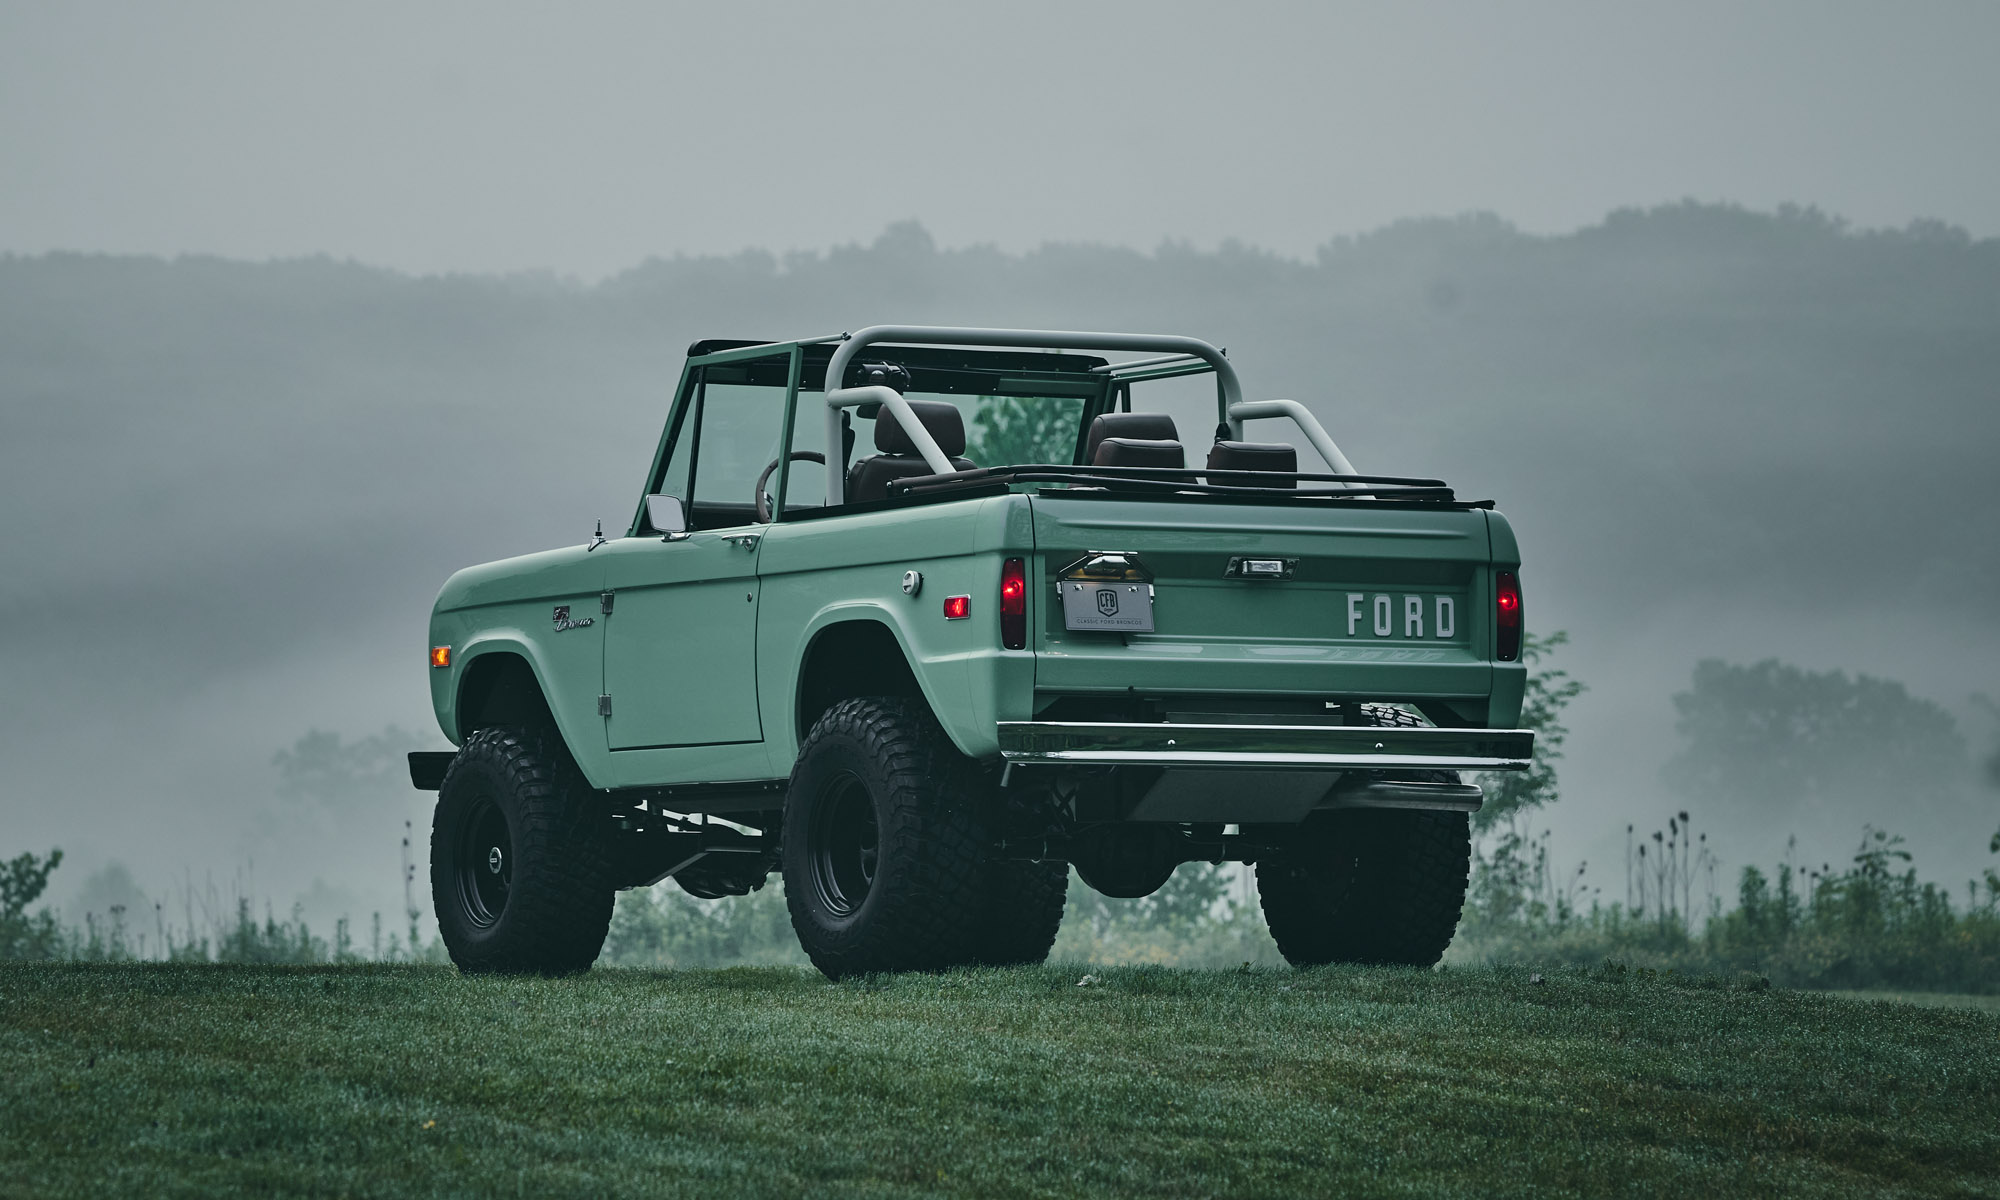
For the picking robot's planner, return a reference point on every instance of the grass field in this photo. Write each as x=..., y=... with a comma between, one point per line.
x=178, y=1080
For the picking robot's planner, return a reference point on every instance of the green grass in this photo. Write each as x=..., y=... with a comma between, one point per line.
x=202, y=1080
x=1926, y=999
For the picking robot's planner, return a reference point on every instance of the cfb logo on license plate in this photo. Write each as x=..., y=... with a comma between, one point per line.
x=1404, y=616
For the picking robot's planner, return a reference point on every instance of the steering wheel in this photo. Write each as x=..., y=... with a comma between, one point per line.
x=762, y=499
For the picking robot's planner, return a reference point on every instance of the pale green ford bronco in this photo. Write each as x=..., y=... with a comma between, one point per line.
x=921, y=618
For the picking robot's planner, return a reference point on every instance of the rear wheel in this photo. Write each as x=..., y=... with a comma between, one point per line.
x=1369, y=886
x=883, y=842
x=521, y=874
x=1021, y=908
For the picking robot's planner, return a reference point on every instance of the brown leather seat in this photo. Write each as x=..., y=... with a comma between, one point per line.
x=1276, y=464
x=1144, y=426
x=1139, y=452
x=869, y=479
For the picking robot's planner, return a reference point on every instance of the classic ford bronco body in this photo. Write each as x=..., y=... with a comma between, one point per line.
x=1028, y=632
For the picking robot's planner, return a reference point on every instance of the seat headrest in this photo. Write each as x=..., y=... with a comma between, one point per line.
x=1275, y=458
x=939, y=416
x=1139, y=452
x=1158, y=427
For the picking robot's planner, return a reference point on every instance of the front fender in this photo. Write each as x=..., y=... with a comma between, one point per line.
x=571, y=699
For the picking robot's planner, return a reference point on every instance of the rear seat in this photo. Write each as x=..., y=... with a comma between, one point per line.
x=1276, y=464
x=1134, y=440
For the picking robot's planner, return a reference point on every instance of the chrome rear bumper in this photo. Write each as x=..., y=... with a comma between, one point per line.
x=1265, y=747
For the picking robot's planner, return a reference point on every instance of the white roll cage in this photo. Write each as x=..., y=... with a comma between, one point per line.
x=1169, y=349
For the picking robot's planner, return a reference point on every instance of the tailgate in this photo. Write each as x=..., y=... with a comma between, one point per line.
x=1376, y=602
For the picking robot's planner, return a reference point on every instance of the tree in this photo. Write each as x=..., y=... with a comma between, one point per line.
x=1014, y=429
x=1512, y=793
x=1773, y=739
x=1992, y=760
x=22, y=879
x=323, y=767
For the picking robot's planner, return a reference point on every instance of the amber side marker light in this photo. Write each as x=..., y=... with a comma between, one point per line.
x=957, y=608
x=440, y=656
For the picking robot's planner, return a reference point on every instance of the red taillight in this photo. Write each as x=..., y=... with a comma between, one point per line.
x=1014, y=604
x=1507, y=615
x=957, y=608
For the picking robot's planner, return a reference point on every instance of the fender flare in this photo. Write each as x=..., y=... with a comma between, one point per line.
x=510, y=643
x=944, y=695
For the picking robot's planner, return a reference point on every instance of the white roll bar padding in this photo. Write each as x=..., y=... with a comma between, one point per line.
x=1230, y=391
x=1302, y=417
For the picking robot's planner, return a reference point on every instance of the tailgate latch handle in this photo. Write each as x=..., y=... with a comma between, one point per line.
x=1244, y=567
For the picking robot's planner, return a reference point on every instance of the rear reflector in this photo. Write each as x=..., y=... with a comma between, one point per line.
x=1507, y=615
x=1014, y=604
x=957, y=608
x=440, y=656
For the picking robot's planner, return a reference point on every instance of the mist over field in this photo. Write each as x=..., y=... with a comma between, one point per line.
x=233, y=489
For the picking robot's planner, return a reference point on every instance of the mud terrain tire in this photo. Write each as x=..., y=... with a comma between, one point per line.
x=1020, y=911
x=521, y=874
x=883, y=842
x=1368, y=886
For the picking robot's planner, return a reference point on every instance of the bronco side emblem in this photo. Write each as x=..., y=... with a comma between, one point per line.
x=563, y=622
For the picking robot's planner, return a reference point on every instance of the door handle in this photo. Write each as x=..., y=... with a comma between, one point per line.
x=746, y=540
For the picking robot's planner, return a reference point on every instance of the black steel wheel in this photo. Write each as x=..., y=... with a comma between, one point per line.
x=883, y=842
x=521, y=870
x=485, y=862
x=845, y=845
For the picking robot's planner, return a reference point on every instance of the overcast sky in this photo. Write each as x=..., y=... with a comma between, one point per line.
x=584, y=138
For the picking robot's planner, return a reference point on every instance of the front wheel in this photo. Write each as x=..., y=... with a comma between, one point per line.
x=883, y=842
x=521, y=872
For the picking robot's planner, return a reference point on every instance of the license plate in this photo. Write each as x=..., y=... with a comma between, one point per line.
x=1114, y=607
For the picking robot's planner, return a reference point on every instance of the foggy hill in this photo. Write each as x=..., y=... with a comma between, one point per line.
x=231, y=489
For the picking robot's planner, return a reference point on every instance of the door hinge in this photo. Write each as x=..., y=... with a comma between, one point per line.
x=604, y=601
x=604, y=706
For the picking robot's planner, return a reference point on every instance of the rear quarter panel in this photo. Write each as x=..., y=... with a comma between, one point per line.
x=818, y=573
x=1510, y=680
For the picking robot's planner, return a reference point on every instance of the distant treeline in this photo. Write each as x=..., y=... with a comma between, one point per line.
x=1683, y=405
x=244, y=482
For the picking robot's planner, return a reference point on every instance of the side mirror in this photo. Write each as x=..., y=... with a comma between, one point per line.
x=667, y=517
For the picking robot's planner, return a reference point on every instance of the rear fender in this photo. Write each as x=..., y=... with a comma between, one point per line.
x=941, y=682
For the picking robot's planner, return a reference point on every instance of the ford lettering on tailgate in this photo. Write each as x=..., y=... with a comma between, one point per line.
x=1402, y=615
